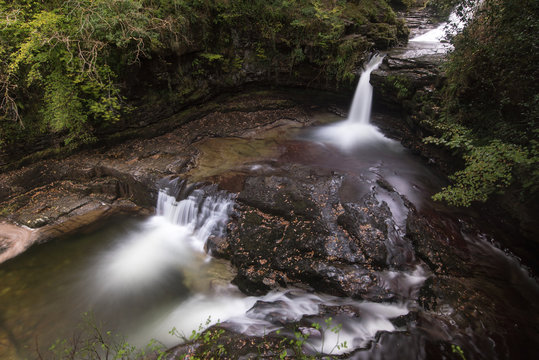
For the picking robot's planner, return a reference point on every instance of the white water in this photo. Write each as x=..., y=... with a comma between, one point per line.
x=356, y=131
x=289, y=306
x=360, y=112
x=165, y=244
x=168, y=250
x=442, y=32
x=201, y=215
x=454, y=24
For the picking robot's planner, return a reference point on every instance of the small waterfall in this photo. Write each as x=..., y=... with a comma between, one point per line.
x=360, y=112
x=164, y=258
x=356, y=131
x=259, y=316
x=456, y=22
x=202, y=213
x=171, y=242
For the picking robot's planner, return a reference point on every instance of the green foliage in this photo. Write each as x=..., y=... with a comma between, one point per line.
x=491, y=106
x=458, y=350
x=210, y=343
x=443, y=7
x=402, y=85
x=209, y=340
x=63, y=55
x=489, y=169
x=73, y=48
x=92, y=342
x=297, y=344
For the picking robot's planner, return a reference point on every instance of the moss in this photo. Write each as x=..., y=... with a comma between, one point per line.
x=6, y=210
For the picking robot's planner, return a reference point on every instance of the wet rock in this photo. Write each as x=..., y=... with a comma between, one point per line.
x=271, y=312
x=283, y=196
x=405, y=345
x=178, y=166
x=404, y=320
x=294, y=230
x=216, y=245
x=138, y=185
x=437, y=243
x=367, y=225
x=53, y=191
x=38, y=222
x=338, y=111
x=231, y=345
x=416, y=61
x=252, y=281
x=348, y=280
x=87, y=218
x=331, y=311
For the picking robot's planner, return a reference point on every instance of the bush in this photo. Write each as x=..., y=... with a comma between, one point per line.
x=491, y=104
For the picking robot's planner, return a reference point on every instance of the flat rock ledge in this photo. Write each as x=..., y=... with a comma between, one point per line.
x=53, y=197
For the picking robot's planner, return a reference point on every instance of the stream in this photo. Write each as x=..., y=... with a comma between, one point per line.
x=143, y=277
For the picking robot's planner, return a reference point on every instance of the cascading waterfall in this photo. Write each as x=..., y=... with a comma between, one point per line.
x=356, y=131
x=164, y=258
x=203, y=215
x=172, y=239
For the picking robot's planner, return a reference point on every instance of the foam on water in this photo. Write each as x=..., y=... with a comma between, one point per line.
x=352, y=135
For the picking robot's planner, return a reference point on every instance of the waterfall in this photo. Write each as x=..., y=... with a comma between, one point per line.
x=456, y=22
x=356, y=131
x=360, y=111
x=166, y=253
x=204, y=211
x=173, y=240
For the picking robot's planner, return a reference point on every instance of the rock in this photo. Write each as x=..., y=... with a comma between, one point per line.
x=347, y=280
x=331, y=310
x=38, y=222
x=271, y=312
x=53, y=191
x=178, y=166
x=86, y=218
x=231, y=345
x=368, y=227
x=281, y=196
x=294, y=230
x=436, y=243
x=338, y=111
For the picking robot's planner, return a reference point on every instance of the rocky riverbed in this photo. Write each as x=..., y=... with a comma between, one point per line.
x=56, y=197
x=308, y=216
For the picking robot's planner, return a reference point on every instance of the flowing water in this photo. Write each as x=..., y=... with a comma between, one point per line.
x=357, y=131
x=144, y=277
x=438, y=37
